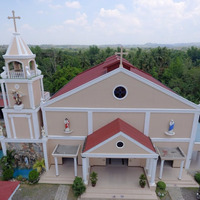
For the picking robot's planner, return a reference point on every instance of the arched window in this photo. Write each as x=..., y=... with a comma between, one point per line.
x=15, y=66
x=32, y=65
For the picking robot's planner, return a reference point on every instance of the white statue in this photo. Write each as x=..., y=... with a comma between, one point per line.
x=4, y=73
x=43, y=132
x=67, y=125
x=171, y=128
x=26, y=160
x=28, y=73
x=38, y=72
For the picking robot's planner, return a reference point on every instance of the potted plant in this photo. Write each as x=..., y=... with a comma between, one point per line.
x=93, y=178
x=142, y=180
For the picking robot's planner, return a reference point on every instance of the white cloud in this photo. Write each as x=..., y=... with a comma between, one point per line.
x=81, y=20
x=120, y=7
x=27, y=27
x=56, y=6
x=109, y=13
x=73, y=4
x=41, y=12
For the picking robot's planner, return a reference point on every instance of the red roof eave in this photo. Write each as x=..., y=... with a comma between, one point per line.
x=113, y=128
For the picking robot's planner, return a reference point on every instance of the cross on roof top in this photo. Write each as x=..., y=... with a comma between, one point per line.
x=121, y=56
x=13, y=17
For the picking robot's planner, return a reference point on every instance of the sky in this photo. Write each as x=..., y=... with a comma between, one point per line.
x=99, y=22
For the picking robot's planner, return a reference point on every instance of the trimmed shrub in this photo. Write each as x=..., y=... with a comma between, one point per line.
x=197, y=177
x=33, y=176
x=7, y=174
x=78, y=187
x=161, y=185
x=19, y=178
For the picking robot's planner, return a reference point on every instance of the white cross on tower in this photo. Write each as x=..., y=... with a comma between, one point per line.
x=121, y=56
x=13, y=17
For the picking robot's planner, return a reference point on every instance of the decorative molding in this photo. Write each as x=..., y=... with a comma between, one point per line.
x=191, y=144
x=104, y=155
x=90, y=122
x=18, y=140
x=11, y=116
x=58, y=137
x=22, y=57
x=147, y=123
x=170, y=139
x=133, y=110
x=28, y=111
x=13, y=127
x=12, y=80
x=36, y=125
x=31, y=96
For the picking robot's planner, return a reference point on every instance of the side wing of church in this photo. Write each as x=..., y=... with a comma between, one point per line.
x=111, y=111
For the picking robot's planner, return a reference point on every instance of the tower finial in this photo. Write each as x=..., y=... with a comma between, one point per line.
x=13, y=17
x=121, y=56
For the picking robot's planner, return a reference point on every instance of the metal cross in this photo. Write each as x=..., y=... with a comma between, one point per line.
x=13, y=17
x=121, y=56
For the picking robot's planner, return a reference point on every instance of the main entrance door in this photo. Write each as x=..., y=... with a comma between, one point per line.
x=117, y=161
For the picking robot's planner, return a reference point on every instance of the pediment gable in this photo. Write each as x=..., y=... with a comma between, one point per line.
x=118, y=137
x=120, y=144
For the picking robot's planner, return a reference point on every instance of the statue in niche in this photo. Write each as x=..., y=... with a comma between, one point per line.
x=67, y=125
x=17, y=96
x=171, y=128
x=26, y=161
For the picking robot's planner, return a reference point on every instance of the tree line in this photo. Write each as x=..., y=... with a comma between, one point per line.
x=177, y=69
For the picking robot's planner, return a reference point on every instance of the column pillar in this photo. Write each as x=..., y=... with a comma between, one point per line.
x=147, y=164
x=85, y=170
x=161, y=169
x=75, y=166
x=44, y=143
x=56, y=166
x=181, y=170
x=153, y=173
x=150, y=167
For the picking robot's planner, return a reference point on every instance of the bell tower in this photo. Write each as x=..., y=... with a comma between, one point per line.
x=22, y=90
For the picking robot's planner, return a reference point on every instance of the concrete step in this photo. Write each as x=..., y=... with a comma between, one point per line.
x=101, y=193
x=56, y=180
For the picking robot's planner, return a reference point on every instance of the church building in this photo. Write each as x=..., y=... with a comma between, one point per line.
x=112, y=111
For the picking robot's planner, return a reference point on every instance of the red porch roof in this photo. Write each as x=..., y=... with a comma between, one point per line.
x=110, y=64
x=7, y=188
x=113, y=128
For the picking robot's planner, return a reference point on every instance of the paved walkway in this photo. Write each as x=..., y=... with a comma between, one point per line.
x=62, y=192
x=175, y=193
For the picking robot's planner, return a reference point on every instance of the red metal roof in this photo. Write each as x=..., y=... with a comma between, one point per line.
x=113, y=128
x=1, y=103
x=110, y=64
x=7, y=188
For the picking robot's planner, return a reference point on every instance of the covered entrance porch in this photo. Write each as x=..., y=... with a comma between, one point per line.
x=119, y=140
x=118, y=182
